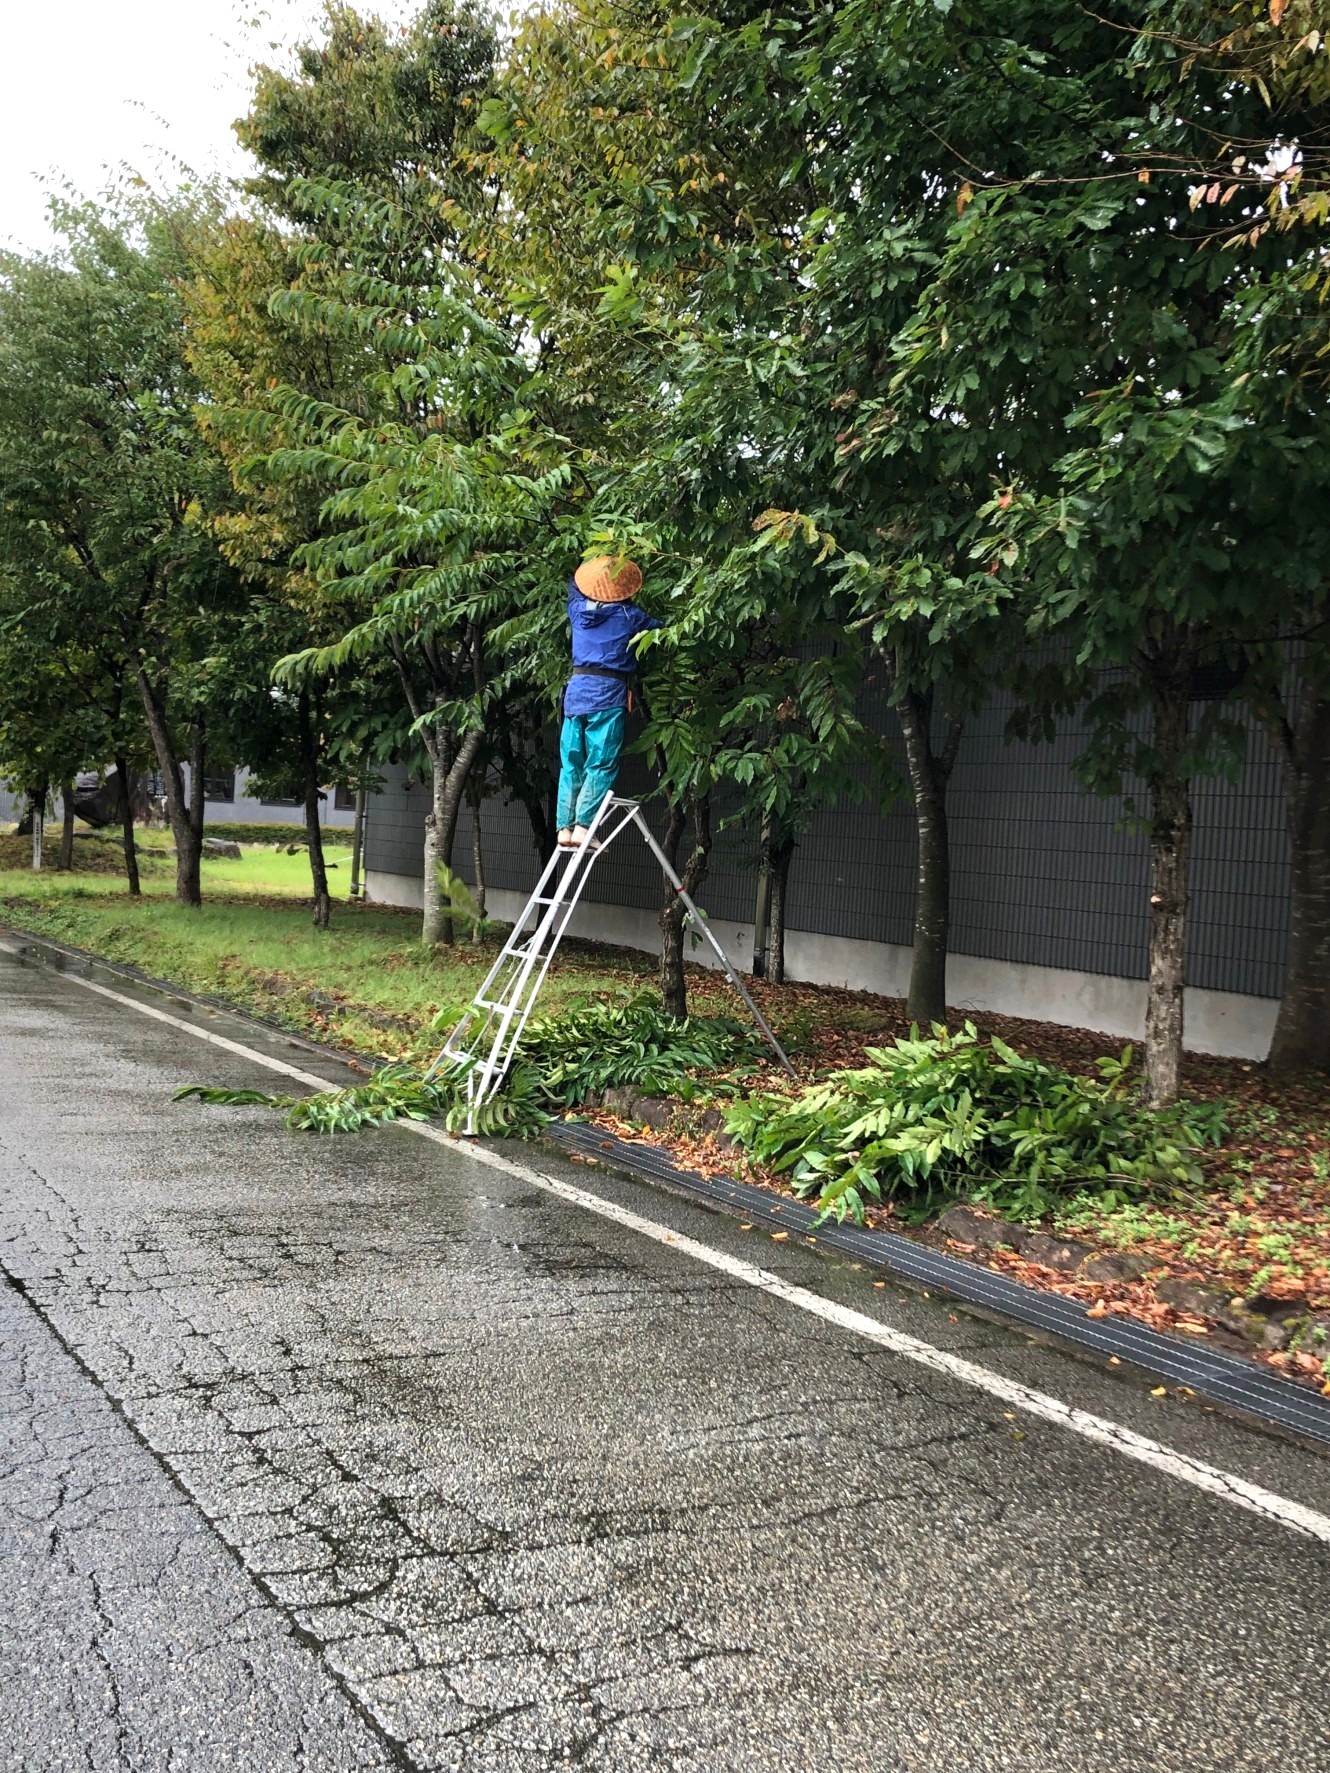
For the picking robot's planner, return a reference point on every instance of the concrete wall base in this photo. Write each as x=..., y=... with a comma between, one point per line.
x=1220, y=1022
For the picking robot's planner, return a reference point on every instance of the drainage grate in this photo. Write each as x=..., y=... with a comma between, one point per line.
x=1223, y=1378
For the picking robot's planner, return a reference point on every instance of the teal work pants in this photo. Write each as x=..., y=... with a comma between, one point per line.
x=589, y=747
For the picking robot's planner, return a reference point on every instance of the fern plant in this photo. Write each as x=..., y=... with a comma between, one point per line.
x=606, y=1046
x=933, y=1118
x=561, y=1061
x=399, y=1092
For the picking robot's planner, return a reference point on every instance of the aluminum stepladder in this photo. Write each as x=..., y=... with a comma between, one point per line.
x=492, y=1024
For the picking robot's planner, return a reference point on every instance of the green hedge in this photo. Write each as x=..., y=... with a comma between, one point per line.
x=271, y=834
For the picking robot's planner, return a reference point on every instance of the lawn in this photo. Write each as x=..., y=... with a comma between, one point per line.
x=364, y=983
x=1257, y=1227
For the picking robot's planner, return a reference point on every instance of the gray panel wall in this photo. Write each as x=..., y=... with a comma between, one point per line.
x=1042, y=873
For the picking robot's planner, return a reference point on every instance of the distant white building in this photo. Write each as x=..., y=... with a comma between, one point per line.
x=227, y=801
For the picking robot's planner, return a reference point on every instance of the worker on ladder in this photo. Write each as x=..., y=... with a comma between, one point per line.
x=606, y=626
x=605, y=623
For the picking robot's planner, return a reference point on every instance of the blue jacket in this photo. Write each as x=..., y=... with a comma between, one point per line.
x=602, y=635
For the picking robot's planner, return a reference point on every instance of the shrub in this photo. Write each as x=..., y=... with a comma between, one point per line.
x=240, y=832
x=934, y=1118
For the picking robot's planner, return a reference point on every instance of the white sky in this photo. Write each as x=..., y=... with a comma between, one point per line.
x=90, y=85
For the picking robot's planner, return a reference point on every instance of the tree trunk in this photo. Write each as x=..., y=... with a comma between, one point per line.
x=194, y=814
x=769, y=917
x=431, y=925
x=447, y=780
x=37, y=806
x=929, y=772
x=1302, y=1031
x=780, y=876
x=540, y=817
x=307, y=725
x=188, y=838
x=477, y=871
x=357, y=842
x=1170, y=848
x=66, y=861
x=762, y=921
x=127, y=827
x=673, y=981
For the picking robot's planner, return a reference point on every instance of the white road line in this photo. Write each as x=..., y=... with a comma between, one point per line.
x=1209, y=1478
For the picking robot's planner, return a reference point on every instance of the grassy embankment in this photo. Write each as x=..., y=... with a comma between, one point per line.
x=365, y=983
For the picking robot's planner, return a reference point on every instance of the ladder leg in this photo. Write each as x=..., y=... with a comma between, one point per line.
x=700, y=923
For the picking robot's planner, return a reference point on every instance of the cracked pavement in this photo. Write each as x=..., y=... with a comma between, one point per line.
x=355, y=1453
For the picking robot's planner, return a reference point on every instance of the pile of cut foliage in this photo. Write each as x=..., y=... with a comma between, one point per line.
x=560, y=1062
x=934, y=1118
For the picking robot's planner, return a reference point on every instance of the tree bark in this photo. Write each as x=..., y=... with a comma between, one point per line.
x=762, y=921
x=769, y=917
x=447, y=780
x=780, y=876
x=37, y=812
x=357, y=842
x=431, y=923
x=307, y=724
x=673, y=980
x=477, y=870
x=127, y=826
x=929, y=771
x=1302, y=1030
x=1170, y=850
x=198, y=761
x=66, y=861
x=188, y=836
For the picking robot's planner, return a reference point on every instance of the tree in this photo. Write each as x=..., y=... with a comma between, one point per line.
x=359, y=153
x=798, y=311
x=1140, y=560
x=105, y=482
x=1276, y=54
x=1165, y=542
x=654, y=345
x=1000, y=255
x=1281, y=403
x=295, y=742
x=46, y=732
x=439, y=518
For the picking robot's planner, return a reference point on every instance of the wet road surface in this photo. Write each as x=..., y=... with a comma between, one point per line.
x=357, y=1453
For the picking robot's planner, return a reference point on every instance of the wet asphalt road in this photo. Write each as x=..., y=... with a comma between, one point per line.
x=358, y=1454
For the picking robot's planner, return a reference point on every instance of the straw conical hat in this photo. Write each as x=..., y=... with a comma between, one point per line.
x=607, y=580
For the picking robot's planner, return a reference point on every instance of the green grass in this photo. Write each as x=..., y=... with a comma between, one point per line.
x=367, y=981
